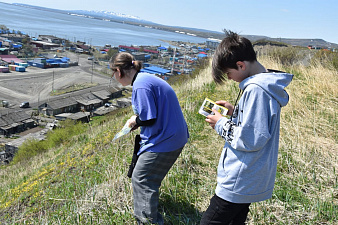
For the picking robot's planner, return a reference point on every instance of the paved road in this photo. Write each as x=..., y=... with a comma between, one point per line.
x=36, y=84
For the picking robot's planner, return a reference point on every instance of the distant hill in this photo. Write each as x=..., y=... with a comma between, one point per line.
x=108, y=15
x=133, y=20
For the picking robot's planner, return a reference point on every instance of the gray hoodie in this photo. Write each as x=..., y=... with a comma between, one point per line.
x=247, y=167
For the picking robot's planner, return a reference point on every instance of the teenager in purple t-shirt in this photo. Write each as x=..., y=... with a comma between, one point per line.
x=163, y=133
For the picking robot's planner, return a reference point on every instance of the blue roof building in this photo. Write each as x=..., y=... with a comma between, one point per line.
x=201, y=55
x=155, y=70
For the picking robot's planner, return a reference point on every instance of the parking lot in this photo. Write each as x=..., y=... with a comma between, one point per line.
x=36, y=84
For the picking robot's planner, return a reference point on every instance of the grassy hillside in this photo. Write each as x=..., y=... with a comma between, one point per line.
x=81, y=178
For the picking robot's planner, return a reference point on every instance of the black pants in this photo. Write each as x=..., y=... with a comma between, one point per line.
x=224, y=212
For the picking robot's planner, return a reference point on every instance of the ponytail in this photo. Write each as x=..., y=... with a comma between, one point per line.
x=137, y=65
x=124, y=61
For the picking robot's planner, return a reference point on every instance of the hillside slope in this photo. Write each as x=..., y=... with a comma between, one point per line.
x=83, y=181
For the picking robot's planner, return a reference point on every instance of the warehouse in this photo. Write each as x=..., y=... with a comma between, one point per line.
x=155, y=70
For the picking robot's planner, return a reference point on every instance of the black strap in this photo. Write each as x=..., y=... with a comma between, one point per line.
x=134, y=78
x=135, y=156
x=239, y=94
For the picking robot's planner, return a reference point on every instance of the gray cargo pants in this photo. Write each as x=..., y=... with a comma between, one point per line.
x=150, y=170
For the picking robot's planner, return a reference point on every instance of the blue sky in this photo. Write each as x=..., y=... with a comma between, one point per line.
x=307, y=19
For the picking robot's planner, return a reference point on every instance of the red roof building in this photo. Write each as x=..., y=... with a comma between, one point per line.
x=10, y=59
x=137, y=49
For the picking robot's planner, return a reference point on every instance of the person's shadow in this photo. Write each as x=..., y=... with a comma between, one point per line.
x=178, y=211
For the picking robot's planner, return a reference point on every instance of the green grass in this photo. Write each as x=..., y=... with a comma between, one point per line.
x=81, y=178
x=72, y=88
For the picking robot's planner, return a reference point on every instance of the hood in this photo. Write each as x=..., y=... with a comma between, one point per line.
x=272, y=82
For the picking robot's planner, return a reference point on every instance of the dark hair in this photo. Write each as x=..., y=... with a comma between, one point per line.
x=124, y=61
x=232, y=49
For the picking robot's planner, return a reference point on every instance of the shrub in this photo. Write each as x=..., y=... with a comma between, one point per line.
x=29, y=149
x=287, y=56
x=65, y=133
x=326, y=58
x=33, y=147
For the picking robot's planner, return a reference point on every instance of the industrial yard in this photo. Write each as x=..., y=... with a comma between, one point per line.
x=36, y=84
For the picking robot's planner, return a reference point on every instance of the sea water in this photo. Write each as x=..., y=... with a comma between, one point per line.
x=95, y=32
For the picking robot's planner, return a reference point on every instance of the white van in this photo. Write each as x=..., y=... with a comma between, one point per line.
x=24, y=105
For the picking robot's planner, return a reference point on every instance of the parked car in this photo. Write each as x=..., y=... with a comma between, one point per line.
x=108, y=104
x=24, y=105
x=4, y=103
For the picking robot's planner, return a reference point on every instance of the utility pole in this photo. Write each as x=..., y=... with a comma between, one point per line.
x=172, y=68
x=184, y=60
x=92, y=70
x=53, y=83
x=38, y=107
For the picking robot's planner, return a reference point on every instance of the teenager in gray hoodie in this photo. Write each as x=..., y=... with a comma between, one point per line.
x=247, y=167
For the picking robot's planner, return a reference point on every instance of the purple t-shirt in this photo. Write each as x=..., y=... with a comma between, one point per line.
x=154, y=98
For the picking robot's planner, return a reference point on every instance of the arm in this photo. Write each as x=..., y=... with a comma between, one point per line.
x=135, y=122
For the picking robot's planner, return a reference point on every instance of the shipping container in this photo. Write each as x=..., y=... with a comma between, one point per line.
x=20, y=68
x=12, y=67
x=40, y=65
x=40, y=60
x=54, y=65
x=23, y=64
x=58, y=60
x=4, y=69
x=64, y=65
x=50, y=60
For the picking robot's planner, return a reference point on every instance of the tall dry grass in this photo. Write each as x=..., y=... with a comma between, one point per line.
x=306, y=184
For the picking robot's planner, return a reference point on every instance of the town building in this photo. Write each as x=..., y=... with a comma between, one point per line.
x=43, y=44
x=212, y=43
x=79, y=102
x=51, y=39
x=15, y=122
x=13, y=37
